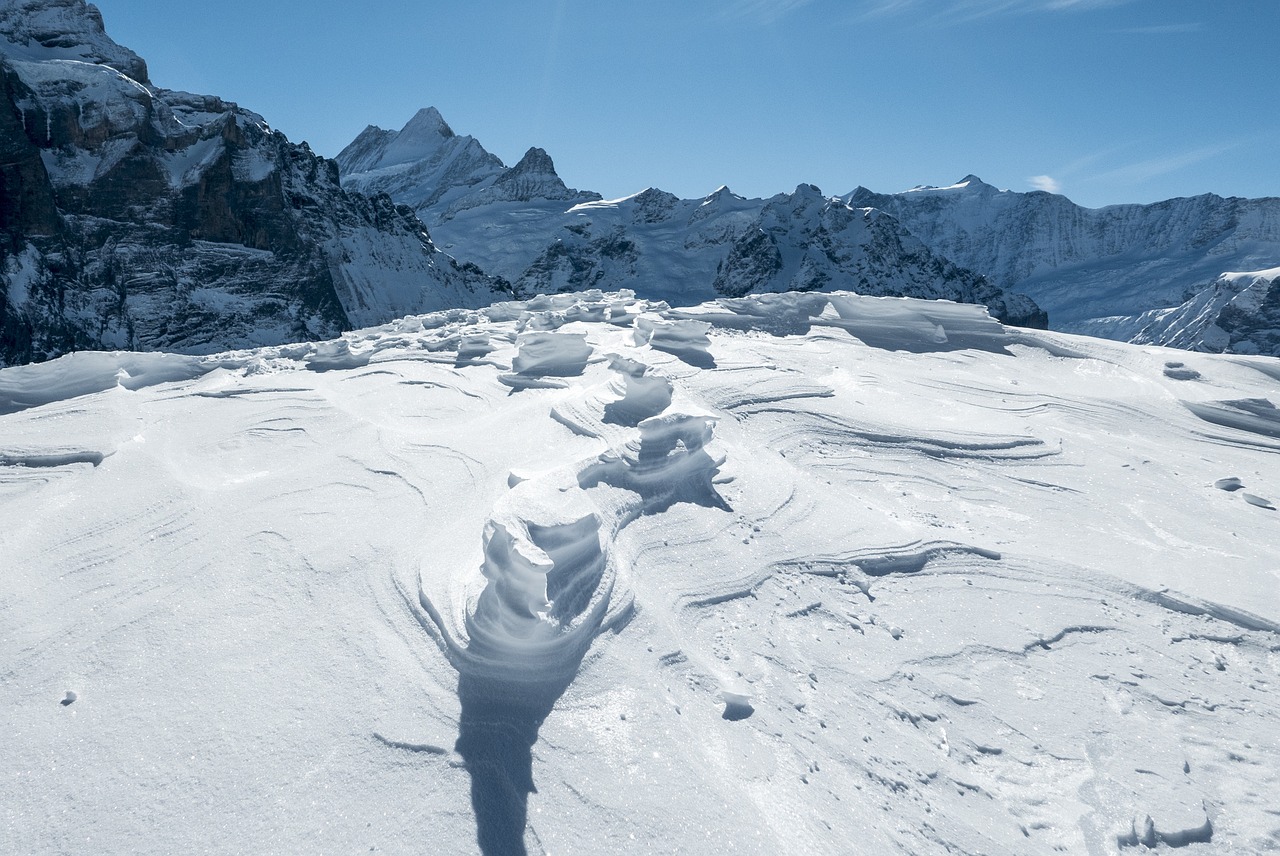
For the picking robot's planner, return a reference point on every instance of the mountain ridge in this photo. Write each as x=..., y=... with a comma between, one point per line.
x=1096, y=270
x=138, y=217
x=523, y=224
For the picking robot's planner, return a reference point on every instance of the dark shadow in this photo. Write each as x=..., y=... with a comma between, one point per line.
x=498, y=727
x=693, y=356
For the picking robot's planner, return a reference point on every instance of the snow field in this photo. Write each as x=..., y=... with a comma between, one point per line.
x=866, y=572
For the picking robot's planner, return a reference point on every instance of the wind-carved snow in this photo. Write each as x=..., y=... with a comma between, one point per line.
x=765, y=575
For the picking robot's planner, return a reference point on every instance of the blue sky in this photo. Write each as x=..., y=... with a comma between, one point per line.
x=1103, y=100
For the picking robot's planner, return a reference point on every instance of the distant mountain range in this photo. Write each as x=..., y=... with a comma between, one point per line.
x=1140, y=273
x=1158, y=274
x=134, y=217
x=523, y=224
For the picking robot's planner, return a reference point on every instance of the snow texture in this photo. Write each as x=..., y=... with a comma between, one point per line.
x=786, y=574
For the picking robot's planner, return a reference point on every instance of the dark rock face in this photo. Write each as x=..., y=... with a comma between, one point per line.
x=133, y=217
x=862, y=250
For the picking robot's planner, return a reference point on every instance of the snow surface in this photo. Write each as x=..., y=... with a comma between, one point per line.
x=790, y=574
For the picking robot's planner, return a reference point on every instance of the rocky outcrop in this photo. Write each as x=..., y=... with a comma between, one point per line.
x=133, y=217
x=1237, y=313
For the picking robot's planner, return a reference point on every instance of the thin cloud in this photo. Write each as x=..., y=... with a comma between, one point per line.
x=957, y=11
x=1153, y=167
x=1047, y=183
x=1164, y=29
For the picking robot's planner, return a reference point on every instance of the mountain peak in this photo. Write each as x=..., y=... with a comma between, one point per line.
x=534, y=177
x=425, y=124
x=535, y=161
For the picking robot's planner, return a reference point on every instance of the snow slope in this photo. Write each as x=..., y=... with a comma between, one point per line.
x=795, y=573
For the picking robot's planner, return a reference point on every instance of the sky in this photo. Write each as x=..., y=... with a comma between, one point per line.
x=1104, y=101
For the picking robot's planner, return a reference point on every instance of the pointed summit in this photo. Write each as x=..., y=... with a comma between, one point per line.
x=426, y=123
x=972, y=182
x=534, y=177
x=535, y=161
x=420, y=139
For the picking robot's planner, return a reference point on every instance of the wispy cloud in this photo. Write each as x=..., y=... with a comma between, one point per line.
x=1164, y=29
x=956, y=11
x=1047, y=183
x=763, y=11
x=1150, y=168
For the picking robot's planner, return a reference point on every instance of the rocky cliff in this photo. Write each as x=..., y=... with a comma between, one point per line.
x=135, y=217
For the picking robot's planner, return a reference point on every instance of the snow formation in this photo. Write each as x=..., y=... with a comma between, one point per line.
x=792, y=573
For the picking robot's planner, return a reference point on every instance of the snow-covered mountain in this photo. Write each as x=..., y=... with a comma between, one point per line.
x=427, y=166
x=522, y=223
x=782, y=574
x=137, y=217
x=1103, y=271
x=1238, y=313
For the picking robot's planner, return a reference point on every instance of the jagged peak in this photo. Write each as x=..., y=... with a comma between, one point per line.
x=652, y=195
x=535, y=160
x=64, y=29
x=422, y=138
x=806, y=194
x=721, y=192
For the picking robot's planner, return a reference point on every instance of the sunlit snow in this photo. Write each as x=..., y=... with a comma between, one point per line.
x=790, y=574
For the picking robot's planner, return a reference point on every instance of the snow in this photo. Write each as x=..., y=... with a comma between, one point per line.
x=187, y=166
x=766, y=575
x=22, y=271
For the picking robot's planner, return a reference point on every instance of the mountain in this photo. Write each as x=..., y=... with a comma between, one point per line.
x=1238, y=313
x=1099, y=271
x=427, y=166
x=142, y=218
x=525, y=225
x=781, y=574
